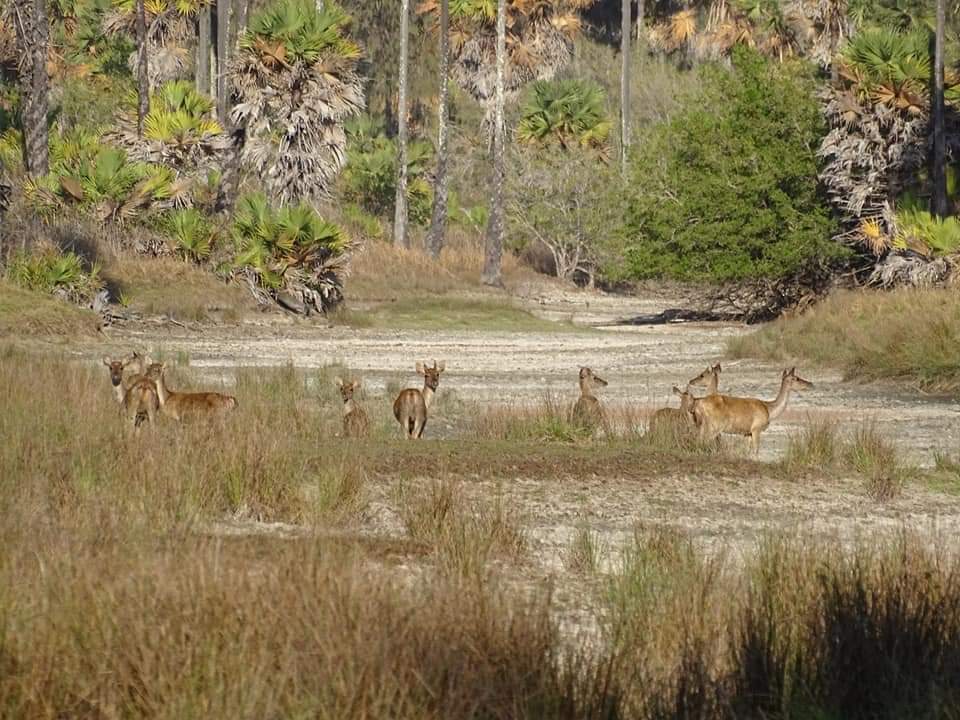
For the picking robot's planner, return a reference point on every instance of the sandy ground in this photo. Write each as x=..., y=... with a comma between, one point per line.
x=641, y=364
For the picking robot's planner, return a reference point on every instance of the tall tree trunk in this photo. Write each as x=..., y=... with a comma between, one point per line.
x=143, y=78
x=625, y=30
x=239, y=24
x=494, y=250
x=203, y=49
x=638, y=25
x=940, y=207
x=32, y=37
x=223, y=32
x=438, y=220
x=400, y=207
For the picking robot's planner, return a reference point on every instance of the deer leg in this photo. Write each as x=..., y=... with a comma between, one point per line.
x=755, y=442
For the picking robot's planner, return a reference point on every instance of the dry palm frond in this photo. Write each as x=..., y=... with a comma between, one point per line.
x=874, y=236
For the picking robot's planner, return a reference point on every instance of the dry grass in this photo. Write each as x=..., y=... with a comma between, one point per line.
x=115, y=601
x=906, y=334
x=24, y=313
x=176, y=289
x=820, y=448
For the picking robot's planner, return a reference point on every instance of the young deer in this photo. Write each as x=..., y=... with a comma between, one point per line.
x=675, y=419
x=716, y=414
x=135, y=363
x=142, y=400
x=410, y=407
x=180, y=405
x=587, y=411
x=355, y=422
x=709, y=378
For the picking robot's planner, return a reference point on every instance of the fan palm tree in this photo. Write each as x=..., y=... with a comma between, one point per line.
x=400, y=209
x=539, y=42
x=624, y=84
x=296, y=81
x=566, y=112
x=438, y=219
x=179, y=130
x=32, y=38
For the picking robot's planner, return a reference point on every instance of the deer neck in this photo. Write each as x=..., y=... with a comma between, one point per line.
x=712, y=385
x=776, y=407
x=586, y=389
x=427, y=396
x=119, y=392
x=163, y=393
x=348, y=406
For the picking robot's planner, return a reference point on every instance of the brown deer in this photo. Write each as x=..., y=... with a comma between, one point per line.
x=716, y=414
x=588, y=412
x=709, y=378
x=135, y=363
x=180, y=405
x=410, y=407
x=674, y=420
x=355, y=421
x=142, y=399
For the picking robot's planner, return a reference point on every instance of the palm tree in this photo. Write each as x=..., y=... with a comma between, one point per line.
x=624, y=84
x=32, y=37
x=143, y=85
x=204, y=30
x=400, y=209
x=568, y=112
x=296, y=81
x=939, y=208
x=169, y=29
x=438, y=219
x=494, y=246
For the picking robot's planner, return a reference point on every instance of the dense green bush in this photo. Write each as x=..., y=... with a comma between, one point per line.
x=47, y=269
x=727, y=190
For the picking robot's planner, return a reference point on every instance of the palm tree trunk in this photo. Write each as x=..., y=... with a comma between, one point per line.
x=940, y=207
x=203, y=49
x=223, y=27
x=438, y=220
x=625, y=30
x=239, y=24
x=143, y=79
x=400, y=206
x=494, y=250
x=638, y=24
x=32, y=36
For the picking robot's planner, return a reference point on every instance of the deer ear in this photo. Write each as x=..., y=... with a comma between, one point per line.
x=356, y=384
x=338, y=382
x=442, y=366
x=717, y=367
x=677, y=391
x=419, y=367
x=106, y=361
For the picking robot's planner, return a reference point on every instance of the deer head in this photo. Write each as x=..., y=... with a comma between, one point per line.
x=686, y=398
x=431, y=375
x=711, y=374
x=791, y=380
x=347, y=389
x=590, y=380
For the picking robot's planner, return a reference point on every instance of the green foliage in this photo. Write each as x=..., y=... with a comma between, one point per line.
x=565, y=111
x=191, y=232
x=47, y=269
x=178, y=113
x=916, y=227
x=727, y=190
x=889, y=66
x=87, y=172
x=370, y=178
x=271, y=241
x=295, y=31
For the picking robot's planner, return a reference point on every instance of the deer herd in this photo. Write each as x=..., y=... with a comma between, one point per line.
x=141, y=391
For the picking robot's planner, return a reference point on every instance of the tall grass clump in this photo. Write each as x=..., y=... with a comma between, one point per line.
x=586, y=552
x=911, y=335
x=463, y=535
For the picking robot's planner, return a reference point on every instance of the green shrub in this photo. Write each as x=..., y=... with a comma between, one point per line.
x=47, y=269
x=727, y=190
x=191, y=233
x=370, y=178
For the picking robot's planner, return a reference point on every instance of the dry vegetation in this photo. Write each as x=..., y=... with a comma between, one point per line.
x=905, y=334
x=121, y=597
x=24, y=313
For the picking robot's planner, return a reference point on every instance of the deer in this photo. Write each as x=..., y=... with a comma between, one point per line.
x=142, y=399
x=410, y=407
x=587, y=412
x=355, y=421
x=135, y=362
x=716, y=414
x=709, y=378
x=180, y=405
x=670, y=419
